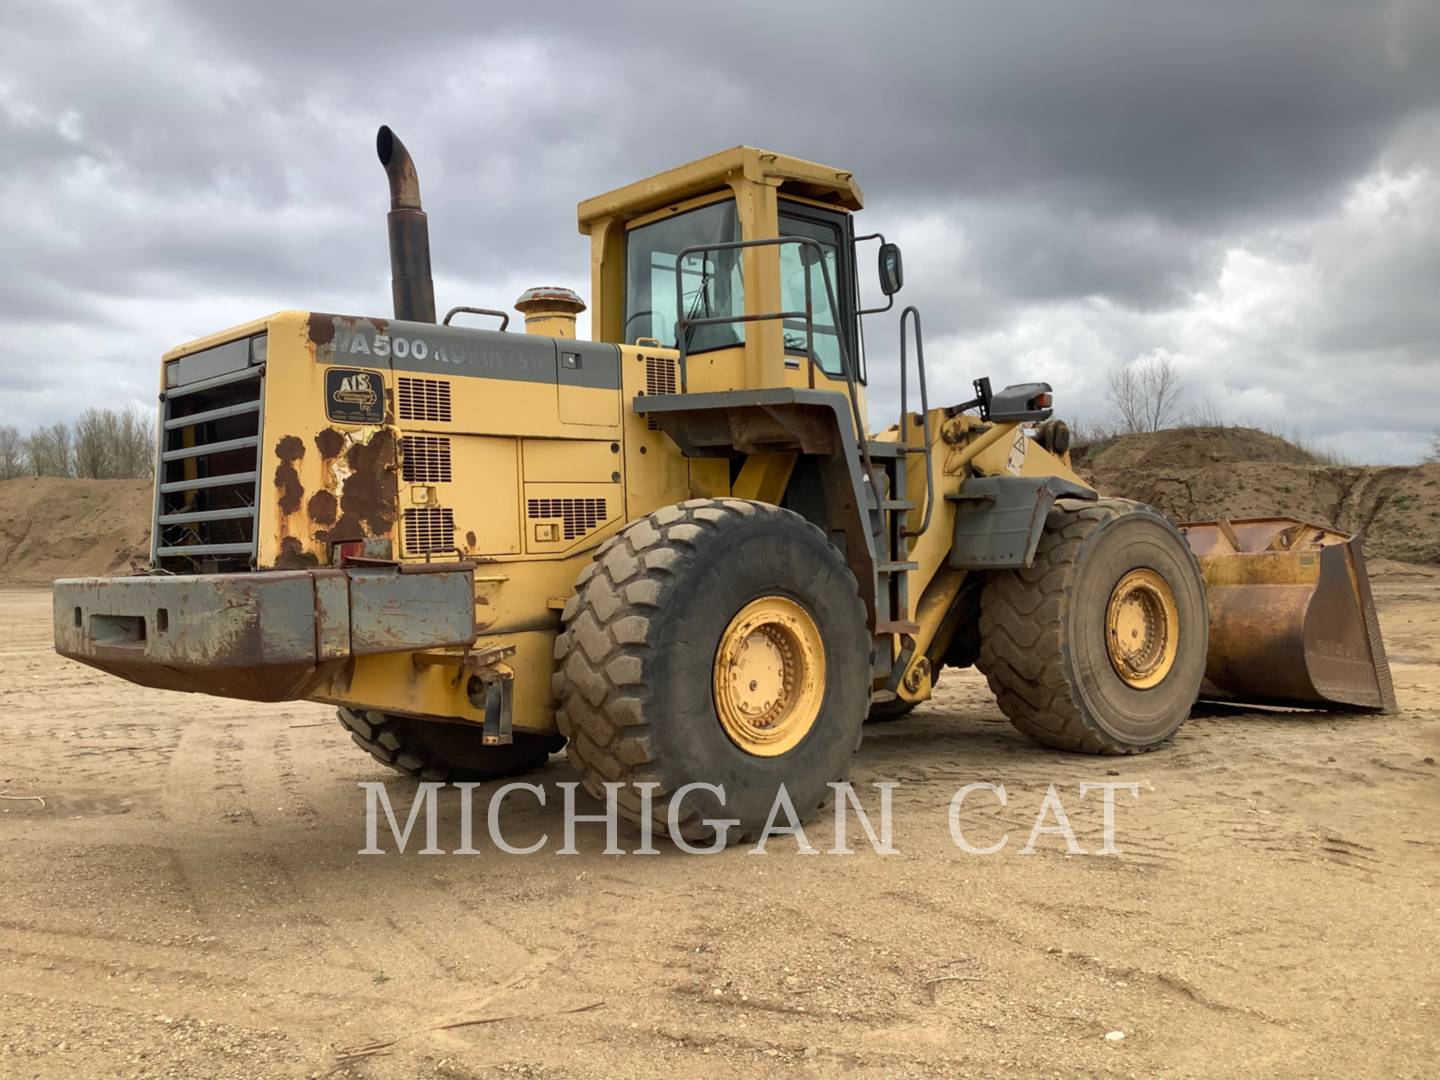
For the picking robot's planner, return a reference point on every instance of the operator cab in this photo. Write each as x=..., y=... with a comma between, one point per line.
x=700, y=247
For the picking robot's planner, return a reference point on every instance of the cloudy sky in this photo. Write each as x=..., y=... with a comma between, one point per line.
x=1251, y=188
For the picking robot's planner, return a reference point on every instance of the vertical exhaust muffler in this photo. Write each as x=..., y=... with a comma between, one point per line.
x=410, y=281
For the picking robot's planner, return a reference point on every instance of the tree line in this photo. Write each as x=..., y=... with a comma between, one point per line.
x=102, y=444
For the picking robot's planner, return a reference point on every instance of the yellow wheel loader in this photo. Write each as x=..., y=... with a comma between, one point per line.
x=677, y=546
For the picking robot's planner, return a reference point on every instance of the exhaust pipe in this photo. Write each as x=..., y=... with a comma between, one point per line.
x=410, y=281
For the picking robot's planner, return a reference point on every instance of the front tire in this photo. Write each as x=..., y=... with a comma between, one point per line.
x=1099, y=646
x=718, y=641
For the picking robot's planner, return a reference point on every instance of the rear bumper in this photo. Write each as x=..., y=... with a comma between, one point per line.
x=270, y=636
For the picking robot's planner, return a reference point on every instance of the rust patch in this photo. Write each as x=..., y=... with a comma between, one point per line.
x=329, y=442
x=287, y=480
x=290, y=448
x=367, y=499
x=470, y=539
x=322, y=328
x=293, y=555
x=322, y=508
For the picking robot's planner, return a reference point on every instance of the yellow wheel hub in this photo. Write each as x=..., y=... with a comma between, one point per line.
x=769, y=677
x=1142, y=628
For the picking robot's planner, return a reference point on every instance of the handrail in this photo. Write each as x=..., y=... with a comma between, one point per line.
x=683, y=323
x=910, y=311
x=504, y=317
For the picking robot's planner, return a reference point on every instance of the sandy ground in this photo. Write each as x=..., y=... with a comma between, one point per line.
x=189, y=901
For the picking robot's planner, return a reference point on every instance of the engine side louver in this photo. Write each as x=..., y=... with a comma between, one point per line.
x=424, y=399
x=429, y=529
x=577, y=516
x=427, y=459
x=660, y=378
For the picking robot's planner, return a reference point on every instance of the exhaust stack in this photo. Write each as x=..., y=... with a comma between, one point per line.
x=410, y=281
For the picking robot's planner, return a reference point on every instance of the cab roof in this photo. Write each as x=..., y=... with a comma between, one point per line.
x=794, y=176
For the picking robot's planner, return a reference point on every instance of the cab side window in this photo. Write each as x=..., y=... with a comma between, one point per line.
x=797, y=262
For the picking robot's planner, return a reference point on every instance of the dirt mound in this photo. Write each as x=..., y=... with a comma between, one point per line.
x=1195, y=447
x=52, y=528
x=1198, y=474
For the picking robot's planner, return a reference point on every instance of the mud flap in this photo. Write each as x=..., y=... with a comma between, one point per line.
x=1292, y=617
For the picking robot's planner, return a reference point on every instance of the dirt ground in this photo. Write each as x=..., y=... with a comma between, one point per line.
x=188, y=900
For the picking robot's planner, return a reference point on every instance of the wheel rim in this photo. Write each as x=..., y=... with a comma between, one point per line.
x=769, y=677
x=1142, y=629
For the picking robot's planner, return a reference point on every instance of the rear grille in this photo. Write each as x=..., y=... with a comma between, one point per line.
x=659, y=379
x=577, y=516
x=427, y=459
x=207, y=474
x=429, y=529
x=424, y=399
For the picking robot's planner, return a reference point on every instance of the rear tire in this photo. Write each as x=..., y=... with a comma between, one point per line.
x=1046, y=636
x=643, y=691
x=443, y=751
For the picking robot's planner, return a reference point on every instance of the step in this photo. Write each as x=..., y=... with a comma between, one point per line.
x=893, y=567
x=899, y=626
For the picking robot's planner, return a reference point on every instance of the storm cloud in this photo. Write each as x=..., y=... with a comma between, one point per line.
x=1250, y=188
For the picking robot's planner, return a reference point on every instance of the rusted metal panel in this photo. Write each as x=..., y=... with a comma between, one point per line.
x=271, y=636
x=396, y=612
x=332, y=617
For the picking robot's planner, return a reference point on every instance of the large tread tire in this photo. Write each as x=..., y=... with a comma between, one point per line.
x=634, y=663
x=1042, y=645
x=438, y=750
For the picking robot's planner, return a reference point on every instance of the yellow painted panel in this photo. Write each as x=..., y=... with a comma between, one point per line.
x=559, y=517
x=588, y=405
x=483, y=494
x=584, y=461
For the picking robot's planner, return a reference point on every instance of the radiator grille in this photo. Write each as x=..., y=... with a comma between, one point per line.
x=659, y=379
x=424, y=399
x=427, y=459
x=577, y=516
x=208, y=463
x=428, y=529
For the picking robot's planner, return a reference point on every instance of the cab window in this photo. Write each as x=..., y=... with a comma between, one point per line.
x=796, y=261
x=711, y=284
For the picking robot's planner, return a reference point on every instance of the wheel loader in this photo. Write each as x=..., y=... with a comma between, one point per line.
x=683, y=549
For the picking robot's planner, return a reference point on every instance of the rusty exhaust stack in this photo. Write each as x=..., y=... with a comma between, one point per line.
x=410, y=281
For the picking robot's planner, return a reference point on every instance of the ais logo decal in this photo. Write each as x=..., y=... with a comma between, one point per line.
x=354, y=396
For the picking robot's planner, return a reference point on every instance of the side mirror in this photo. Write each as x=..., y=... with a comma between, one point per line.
x=892, y=269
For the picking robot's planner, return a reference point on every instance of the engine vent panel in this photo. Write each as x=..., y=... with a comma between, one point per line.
x=660, y=378
x=429, y=529
x=423, y=399
x=426, y=459
x=577, y=516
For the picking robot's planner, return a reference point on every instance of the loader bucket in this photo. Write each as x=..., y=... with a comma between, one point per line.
x=1292, y=618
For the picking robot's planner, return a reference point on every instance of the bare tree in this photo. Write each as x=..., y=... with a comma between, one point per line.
x=113, y=444
x=1146, y=394
x=12, y=454
x=94, y=440
x=135, y=443
x=1434, y=454
x=49, y=451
